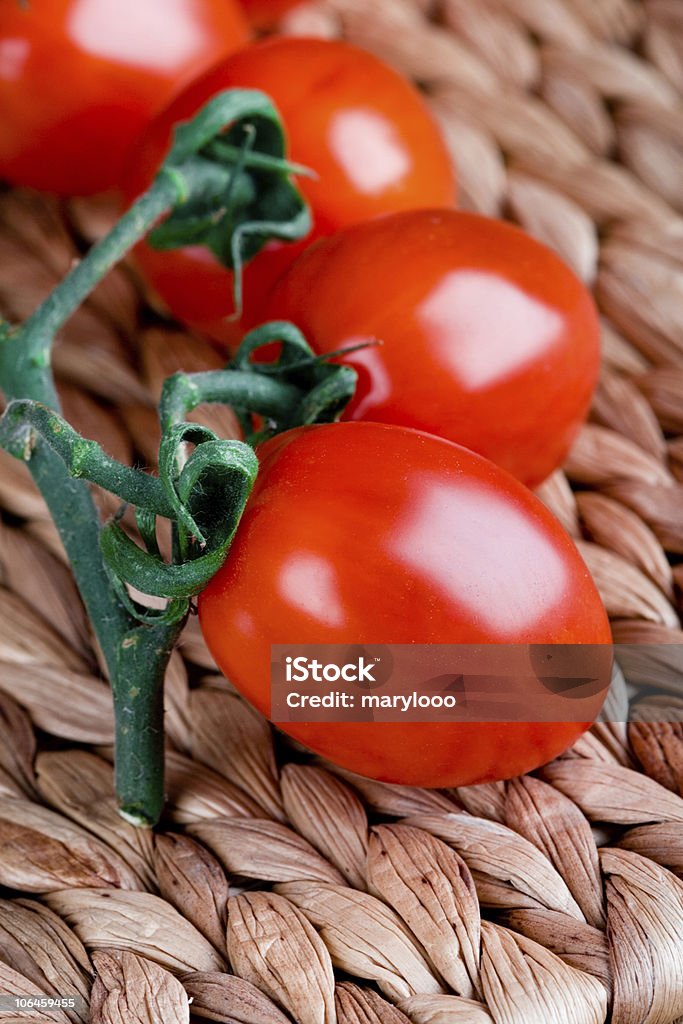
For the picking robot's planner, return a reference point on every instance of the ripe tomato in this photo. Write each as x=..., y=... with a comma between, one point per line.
x=266, y=13
x=363, y=533
x=80, y=79
x=486, y=337
x=363, y=129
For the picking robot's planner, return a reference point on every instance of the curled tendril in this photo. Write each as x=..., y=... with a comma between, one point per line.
x=174, y=611
x=170, y=449
x=209, y=494
x=146, y=521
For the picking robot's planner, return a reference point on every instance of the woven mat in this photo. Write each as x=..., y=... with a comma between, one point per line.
x=554, y=898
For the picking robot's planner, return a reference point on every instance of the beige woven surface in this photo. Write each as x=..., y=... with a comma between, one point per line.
x=275, y=889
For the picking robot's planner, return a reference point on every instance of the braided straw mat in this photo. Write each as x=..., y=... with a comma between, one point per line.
x=554, y=899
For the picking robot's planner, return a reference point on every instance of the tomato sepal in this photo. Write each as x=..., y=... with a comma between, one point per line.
x=295, y=388
x=237, y=189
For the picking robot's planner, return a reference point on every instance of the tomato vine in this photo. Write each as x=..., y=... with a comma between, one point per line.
x=202, y=492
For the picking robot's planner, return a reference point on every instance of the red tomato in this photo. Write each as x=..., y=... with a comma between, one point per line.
x=358, y=124
x=80, y=80
x=362, y=533
x=266, y=13
x=487, y=338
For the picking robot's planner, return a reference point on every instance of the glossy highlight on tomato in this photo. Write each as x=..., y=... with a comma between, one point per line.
x=364, y=533
x=485, y=336
x=359, y=125
x=81, y=79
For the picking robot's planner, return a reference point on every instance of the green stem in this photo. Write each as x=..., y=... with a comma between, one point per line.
x=82, y=458
x=25, y=351
x=139, y=707
x=240, y=389
x=75, y=516
x=25, y=372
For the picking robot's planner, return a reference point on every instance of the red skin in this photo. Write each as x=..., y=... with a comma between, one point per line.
x=362, y=127
x=265, y=14
x=488, y=339
x=81, y=79
x=363, y=533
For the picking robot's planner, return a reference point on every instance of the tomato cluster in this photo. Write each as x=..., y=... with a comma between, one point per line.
x=467, y=335
x=361, y=128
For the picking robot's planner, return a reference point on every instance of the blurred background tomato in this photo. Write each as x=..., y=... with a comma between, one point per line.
x=80, y=80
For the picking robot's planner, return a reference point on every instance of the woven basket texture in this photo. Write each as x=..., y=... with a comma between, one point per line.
x=278, y=888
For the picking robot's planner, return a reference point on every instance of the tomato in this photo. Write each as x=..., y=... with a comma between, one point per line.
x=363, y=129
x=486, y=337
x=80, y=80
x=363, y=533
x=266, y=13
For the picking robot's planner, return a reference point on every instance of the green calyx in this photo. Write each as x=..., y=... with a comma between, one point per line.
x=237, y=186
x=295, y=388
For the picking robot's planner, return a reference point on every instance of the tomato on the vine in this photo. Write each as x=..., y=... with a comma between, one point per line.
x=81, y=79
x=361, y=127
x=363, y=533
x=484, y=335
